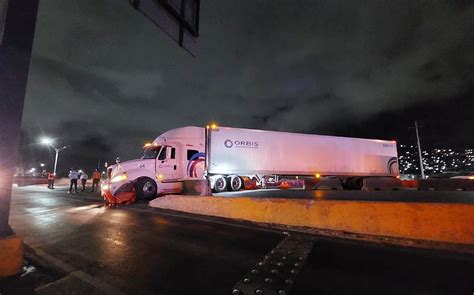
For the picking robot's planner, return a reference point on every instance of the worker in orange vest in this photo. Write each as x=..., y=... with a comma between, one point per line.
x=50, y=180
x=95, y=179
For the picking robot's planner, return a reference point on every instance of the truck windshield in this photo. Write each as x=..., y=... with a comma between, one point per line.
x=151, y=152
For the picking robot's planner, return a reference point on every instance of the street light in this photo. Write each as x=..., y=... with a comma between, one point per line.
x=46, y=141
x=49, y=142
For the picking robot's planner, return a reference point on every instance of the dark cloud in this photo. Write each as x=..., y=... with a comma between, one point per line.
x=284, y=65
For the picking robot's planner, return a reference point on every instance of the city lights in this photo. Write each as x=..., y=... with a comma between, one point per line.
x=435, y=161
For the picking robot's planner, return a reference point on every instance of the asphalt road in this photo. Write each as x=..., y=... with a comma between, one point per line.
x=140, y=250
x=381, y=196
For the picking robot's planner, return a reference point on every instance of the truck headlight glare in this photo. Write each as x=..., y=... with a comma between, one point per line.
x=118, y=178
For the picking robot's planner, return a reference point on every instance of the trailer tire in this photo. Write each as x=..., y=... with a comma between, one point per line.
x=220, y=184
x=145, y=188
x=236, y=183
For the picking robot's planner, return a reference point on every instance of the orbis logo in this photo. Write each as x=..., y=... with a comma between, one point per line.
x=228, y=143
x=240, y=143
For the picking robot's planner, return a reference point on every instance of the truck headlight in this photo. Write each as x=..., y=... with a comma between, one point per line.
x=118, y=178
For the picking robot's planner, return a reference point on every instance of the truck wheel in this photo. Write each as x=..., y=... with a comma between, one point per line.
x=220, y=185
x=236, y=183
x=145, y=188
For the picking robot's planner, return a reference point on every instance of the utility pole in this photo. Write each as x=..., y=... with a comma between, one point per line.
x=419, y=151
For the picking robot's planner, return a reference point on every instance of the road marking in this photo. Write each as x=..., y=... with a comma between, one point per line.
x=277, y=271
x=71, y=270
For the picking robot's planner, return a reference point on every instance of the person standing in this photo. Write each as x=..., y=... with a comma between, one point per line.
x=95, y=179
x=84, y=178
x=73, y=176
x=50, y=180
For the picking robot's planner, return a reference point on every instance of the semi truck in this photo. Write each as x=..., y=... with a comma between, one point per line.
x=226, y=156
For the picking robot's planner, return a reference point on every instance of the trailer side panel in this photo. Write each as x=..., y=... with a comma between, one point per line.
x=245, y=151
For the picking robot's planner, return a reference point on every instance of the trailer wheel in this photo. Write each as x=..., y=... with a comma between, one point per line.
x=145, y=188
x=220, y=185
x=236, y=183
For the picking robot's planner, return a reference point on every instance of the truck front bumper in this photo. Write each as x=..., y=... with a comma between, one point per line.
x=118, y=192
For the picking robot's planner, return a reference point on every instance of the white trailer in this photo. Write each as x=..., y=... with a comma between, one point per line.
x=246, y=152
x=225, y=156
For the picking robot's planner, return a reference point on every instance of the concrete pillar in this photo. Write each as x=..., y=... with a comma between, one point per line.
x=17, y=26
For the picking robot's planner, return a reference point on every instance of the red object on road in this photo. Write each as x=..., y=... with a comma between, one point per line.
x=121, y=198
x=250, y=184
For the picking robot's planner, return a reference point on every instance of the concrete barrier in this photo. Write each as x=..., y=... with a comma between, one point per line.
x=451, y=223
x=329, y=184
x=197, y=187
x=322, y=183
x=446, y=184
x=381, y=184
x=24, y=181
x=11, y=256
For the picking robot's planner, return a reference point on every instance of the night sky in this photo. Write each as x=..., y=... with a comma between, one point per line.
x=105, y=80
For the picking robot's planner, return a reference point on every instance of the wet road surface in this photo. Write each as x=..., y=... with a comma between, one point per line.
x=466, y=197
x=136, y=251
x=146, y=251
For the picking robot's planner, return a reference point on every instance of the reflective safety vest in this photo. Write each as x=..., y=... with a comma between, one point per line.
x=96, y=175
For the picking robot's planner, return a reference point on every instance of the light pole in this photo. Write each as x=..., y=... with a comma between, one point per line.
x=49, y=142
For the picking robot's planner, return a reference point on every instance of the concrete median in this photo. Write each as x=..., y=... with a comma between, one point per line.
x=439, y=222
x=328, y=184
x=446, y=184
x=381, y=184
x=11, y=255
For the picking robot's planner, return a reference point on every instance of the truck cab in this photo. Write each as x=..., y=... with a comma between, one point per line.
x=173, y=157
